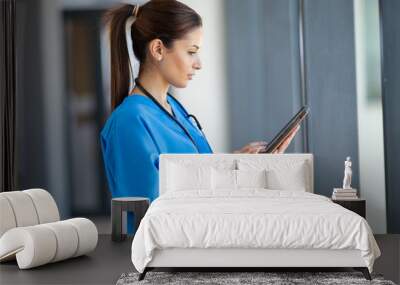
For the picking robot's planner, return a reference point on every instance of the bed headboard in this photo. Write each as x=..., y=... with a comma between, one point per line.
x=229, y=160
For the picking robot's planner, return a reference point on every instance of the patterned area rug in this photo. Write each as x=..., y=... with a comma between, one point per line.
x=230, y=278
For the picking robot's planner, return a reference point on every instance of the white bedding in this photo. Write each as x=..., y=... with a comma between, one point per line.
x=250, y=218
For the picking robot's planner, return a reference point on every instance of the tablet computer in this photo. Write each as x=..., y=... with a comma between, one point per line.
x=285, y=132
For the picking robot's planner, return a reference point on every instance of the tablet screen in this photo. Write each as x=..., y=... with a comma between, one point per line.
x=286, y=130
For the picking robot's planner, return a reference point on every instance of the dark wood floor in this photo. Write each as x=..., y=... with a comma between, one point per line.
x=389, y=262
x=110, y=260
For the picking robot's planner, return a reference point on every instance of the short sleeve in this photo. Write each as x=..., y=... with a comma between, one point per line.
x=130, y=158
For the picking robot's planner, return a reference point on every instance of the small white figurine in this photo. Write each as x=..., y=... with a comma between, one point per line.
x=347, y=174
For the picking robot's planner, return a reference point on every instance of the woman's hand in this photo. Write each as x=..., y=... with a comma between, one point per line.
x=286, y=143
x=253, y=147
x=256, y=147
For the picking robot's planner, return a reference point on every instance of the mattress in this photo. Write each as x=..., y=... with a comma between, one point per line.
x=251, y=219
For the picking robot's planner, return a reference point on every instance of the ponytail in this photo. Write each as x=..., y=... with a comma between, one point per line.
x=120, y=71
x=168, y=20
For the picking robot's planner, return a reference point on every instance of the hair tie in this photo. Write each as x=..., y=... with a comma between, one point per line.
x=135, y=10
x=134, y=62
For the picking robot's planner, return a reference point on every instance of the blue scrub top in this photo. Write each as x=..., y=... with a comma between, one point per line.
x=134, y=136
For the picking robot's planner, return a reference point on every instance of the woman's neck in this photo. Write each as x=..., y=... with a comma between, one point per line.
x=155, y=85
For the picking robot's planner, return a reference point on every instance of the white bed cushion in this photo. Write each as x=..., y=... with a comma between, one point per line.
x=282, y=174
x=223, y=179
x=230, y=180
x=184, y=174
x=172, y=171
x=181, y=177
x=251, y=178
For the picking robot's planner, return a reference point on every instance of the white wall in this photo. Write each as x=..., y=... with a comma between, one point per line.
x=206, y=95
x=370, y=123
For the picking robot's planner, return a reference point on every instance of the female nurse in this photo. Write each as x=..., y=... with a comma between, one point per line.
x=165, y=36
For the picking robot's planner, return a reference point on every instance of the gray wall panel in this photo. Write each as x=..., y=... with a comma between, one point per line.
x=331, y=90
x=391, y=114
x=30, y=139
x=264, y=78
x=263, y=67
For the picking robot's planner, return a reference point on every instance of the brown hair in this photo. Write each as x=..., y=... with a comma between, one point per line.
x=167, y=20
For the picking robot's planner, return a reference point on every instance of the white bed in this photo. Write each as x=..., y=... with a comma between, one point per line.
x=202, y=220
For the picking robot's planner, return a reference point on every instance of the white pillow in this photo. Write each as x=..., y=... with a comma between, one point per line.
x=282, y=174
x=223, y=179
x=236, y=179
x=181, y=177
x=291, y=179
x=251, y=178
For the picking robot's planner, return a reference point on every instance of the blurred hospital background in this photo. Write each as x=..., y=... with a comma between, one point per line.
x=262, y=60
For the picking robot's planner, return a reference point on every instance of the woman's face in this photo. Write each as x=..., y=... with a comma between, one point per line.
x=182, y=61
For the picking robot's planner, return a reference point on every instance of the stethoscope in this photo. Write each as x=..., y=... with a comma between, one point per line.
x=173, y=117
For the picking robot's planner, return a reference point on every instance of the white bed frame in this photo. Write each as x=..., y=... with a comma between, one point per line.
x=246, y=258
